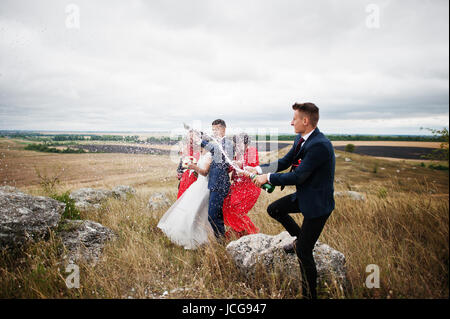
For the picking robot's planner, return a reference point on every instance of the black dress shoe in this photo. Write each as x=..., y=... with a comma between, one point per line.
x=290, y=248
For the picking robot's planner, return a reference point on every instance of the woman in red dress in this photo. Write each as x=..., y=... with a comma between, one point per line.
x=243, y=193
x=188, y=176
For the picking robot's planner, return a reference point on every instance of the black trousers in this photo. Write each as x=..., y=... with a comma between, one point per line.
x=307, y=236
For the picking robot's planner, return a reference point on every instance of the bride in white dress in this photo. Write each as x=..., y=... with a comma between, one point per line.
x=186, y=221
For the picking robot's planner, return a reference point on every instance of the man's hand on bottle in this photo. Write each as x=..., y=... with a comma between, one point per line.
x=260, y=180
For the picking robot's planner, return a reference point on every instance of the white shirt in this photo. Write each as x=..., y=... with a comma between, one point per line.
x=305, y=137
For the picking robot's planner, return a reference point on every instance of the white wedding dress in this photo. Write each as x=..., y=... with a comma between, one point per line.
x=186, y=221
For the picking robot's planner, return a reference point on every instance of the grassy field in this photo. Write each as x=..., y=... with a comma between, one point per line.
x=403, y=227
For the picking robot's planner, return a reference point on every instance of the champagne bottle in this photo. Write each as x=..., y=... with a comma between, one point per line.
x=267, y=187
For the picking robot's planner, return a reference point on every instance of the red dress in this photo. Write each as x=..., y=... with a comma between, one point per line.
x=241, y=198
x=187, y=178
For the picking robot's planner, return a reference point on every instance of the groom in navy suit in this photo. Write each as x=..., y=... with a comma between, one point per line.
x=219, y=180
x=314, y=182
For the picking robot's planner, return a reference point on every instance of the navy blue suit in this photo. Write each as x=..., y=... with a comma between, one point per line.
x=313, y=178
x=218, y=183
x=314, y=198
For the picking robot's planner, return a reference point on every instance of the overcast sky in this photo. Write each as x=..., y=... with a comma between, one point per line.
x=151, y=65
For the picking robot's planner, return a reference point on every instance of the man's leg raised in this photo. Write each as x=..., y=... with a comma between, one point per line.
x=280, y=210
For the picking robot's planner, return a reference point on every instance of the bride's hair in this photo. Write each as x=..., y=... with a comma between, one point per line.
x=242, y=137
x=205, y=140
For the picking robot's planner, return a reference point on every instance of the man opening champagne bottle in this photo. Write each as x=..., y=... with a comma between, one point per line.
x=314, y=182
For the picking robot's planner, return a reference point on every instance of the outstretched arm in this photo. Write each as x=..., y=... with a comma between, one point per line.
x=201, y=171
x=282, y=163
x=315, y=157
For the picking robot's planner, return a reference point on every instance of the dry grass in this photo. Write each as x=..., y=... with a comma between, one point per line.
x=402, y=227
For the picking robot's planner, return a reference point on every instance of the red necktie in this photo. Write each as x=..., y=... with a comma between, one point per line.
x=299, y=145
x=297, y=149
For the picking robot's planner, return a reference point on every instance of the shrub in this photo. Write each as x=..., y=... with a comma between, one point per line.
x=350, y=148
x=438, y=167
x=48, y=182
x=70, y=212
x=382, y=192
x=441, y=154
x=375, y=168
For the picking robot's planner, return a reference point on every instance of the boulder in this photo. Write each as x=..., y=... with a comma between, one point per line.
x=84, y=240
x=10, y=189
x=87, y=198
x=353, y=195
x=25, y=217
x=267, y=251
x=92, y=198
x=122, y=191
x=158, y=200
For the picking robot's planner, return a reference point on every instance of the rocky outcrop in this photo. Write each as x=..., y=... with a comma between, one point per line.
x=351, y=194
x=84, y=240
x=24, y=217
x=92, y=198
x=260, y=249
x=157, y=201
x=123, y=191
x=9, y=189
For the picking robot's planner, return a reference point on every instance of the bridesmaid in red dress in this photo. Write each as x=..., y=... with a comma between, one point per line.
x=243, y=193
x=189, y=176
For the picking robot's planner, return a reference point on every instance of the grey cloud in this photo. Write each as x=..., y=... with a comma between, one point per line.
x=143, y=64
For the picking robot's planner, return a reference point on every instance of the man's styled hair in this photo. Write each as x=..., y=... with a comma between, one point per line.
x=310, y=109
x=219, y=122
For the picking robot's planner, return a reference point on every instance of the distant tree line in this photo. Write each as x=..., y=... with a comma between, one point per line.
x=68, y=137
x=45, y=148
x=38, y=137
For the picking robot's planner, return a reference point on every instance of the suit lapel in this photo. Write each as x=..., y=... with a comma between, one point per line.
x=303, y=148
x=295, y=146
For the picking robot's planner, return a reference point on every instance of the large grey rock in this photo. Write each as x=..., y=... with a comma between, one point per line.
x=351, y=194
x=10, y=189
x=88, y=198
x=92, y=198
x=251, y=250
x=122, y=191
x=84, y=240
x=25, y=217
x=157, y=201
